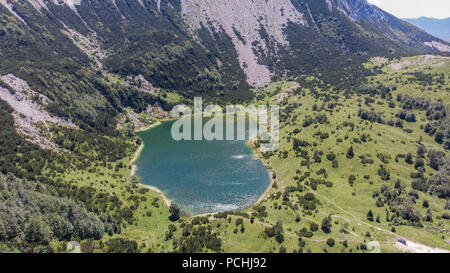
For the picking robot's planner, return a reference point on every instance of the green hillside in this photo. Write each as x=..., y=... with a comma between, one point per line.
x=364, y=124
x=326, y=196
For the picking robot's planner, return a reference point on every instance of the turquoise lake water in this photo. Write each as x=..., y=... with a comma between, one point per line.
x=201, y=176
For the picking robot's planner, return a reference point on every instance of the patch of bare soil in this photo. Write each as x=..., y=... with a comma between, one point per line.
x=424, y=60
x=412, y=247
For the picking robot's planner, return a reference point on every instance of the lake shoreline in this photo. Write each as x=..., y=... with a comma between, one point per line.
x=250, y=143
x=141, y=147
x=168, y=202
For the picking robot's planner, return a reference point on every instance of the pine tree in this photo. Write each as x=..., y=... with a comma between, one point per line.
x=350, y=153
x=174, y=213
x=370, y=216
x=326, y=225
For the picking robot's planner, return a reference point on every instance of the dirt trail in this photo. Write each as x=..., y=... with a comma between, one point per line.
x=411, y=247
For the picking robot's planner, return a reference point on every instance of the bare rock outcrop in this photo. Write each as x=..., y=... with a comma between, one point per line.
x=30, y=117
x=242, y=21
x=438, y=46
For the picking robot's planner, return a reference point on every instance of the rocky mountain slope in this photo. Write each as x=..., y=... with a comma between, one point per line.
x=226, y=44
x=266, y=33
x=78, y=76
x=69, y=50
x=92, y=59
